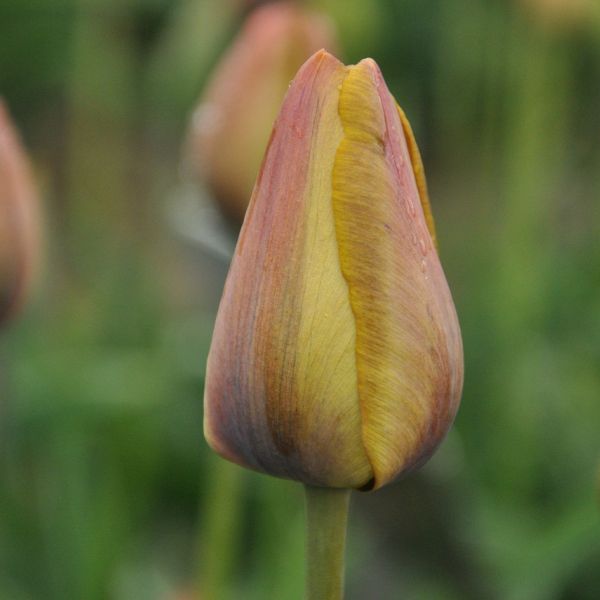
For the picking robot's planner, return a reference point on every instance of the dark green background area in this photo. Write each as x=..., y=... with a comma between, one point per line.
x=107, y=488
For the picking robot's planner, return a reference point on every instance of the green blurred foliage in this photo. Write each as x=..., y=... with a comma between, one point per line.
x=107, y=489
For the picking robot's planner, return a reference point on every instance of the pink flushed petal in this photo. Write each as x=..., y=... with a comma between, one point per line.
x=255, y=413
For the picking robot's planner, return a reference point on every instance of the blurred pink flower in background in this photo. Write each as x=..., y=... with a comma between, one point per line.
x=232, y=123
x=19, y=220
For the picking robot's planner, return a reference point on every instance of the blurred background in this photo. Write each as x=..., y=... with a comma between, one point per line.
x=107, y=488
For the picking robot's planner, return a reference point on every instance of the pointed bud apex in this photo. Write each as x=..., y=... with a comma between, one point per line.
x=336, y=358
x=19, y=227
x=231, y=125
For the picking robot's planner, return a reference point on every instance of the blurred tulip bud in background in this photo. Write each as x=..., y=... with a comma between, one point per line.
x=561, y=14
x=231, y=125
x=19, y=221
x=336, y=358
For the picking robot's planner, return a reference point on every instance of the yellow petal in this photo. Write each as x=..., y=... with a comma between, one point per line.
x=408, y=347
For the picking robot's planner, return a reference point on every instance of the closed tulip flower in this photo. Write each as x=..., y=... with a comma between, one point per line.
x=19, y=231
x=336, y=358
x=231, y=126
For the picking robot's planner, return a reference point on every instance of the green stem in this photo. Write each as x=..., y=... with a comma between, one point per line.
x=326, y=521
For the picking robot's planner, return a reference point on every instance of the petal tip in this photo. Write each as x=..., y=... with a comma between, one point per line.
x=320, y=56
x=371, y=65
x=323, y=61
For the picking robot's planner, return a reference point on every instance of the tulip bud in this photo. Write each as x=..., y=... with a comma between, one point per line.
x=336, y=358
x=18, y=220
x=231, y=126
